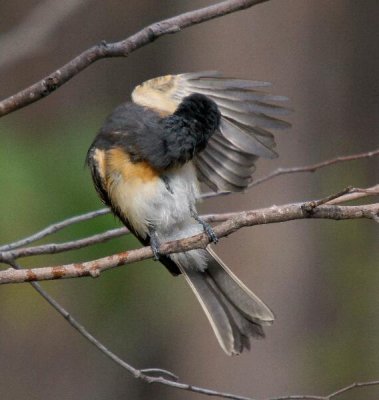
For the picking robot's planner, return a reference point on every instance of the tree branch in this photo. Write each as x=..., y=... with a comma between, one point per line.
x=49, y=230
x=119, y=49
x=314, y=167
x=13, y=253
x=237, y=221
x=304, y=168
x=53, y=248
x=357, y=194
x=329, y=396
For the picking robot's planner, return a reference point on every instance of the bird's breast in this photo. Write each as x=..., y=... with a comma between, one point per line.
x=146, y=197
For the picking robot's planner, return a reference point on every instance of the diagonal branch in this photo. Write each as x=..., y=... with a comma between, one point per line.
x=53, y=248
x=357, y=194
x=120, y=49
x=273, y=214
x=314, y=167
x=49, y=230
x=329, y=396
x=305, y=168
x=8, y=252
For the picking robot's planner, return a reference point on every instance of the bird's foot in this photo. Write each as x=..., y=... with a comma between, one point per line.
x=206, y=226
x=154, y=243
x=209, y=231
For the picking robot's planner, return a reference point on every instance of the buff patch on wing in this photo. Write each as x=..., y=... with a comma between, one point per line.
x=157, y=94
x=248, y=116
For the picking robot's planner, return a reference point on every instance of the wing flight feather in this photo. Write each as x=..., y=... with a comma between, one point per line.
x=248, y=113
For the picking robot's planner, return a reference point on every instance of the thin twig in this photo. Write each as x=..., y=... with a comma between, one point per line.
x=54, y=248
x=273, y=214
x=357, y=194
x=119, y=49
x=351, y=387
x=314, y=167
x=54, y=228
x=330, y=396
x=311, y=205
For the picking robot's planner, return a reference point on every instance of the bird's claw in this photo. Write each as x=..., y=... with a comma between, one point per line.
x=210, y=232
x=206, y=226
x=154, y=244
x=156, y=253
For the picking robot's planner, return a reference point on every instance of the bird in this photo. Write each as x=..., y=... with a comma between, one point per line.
x=147, y=162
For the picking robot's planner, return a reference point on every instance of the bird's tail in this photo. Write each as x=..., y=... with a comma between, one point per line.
x=235, y=313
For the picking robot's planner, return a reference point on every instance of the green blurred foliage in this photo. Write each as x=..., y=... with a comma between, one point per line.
x=46, y=181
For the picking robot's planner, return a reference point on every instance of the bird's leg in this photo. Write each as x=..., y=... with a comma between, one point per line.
x=154, y=242
x=207, y=227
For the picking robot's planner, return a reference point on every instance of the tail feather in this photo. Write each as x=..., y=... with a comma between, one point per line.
x=214, y=310
x=237, y=292
x=235, y=313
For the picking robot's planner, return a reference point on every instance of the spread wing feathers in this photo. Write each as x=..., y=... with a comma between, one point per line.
x=247, y=115
x=235, y=313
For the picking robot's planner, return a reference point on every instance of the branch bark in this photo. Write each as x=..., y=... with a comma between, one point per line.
x=119, y=49
x=237, y=221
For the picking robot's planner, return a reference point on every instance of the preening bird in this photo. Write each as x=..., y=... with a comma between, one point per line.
x=146, y=164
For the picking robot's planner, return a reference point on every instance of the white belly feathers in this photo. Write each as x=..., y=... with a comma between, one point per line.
x=165, y=204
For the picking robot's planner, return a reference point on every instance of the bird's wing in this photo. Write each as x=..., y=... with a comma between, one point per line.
x=248, y=115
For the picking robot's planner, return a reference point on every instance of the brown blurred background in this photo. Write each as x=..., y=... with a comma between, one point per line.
x=320, y=277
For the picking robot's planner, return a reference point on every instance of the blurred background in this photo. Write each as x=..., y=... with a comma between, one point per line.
x=320, y=277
